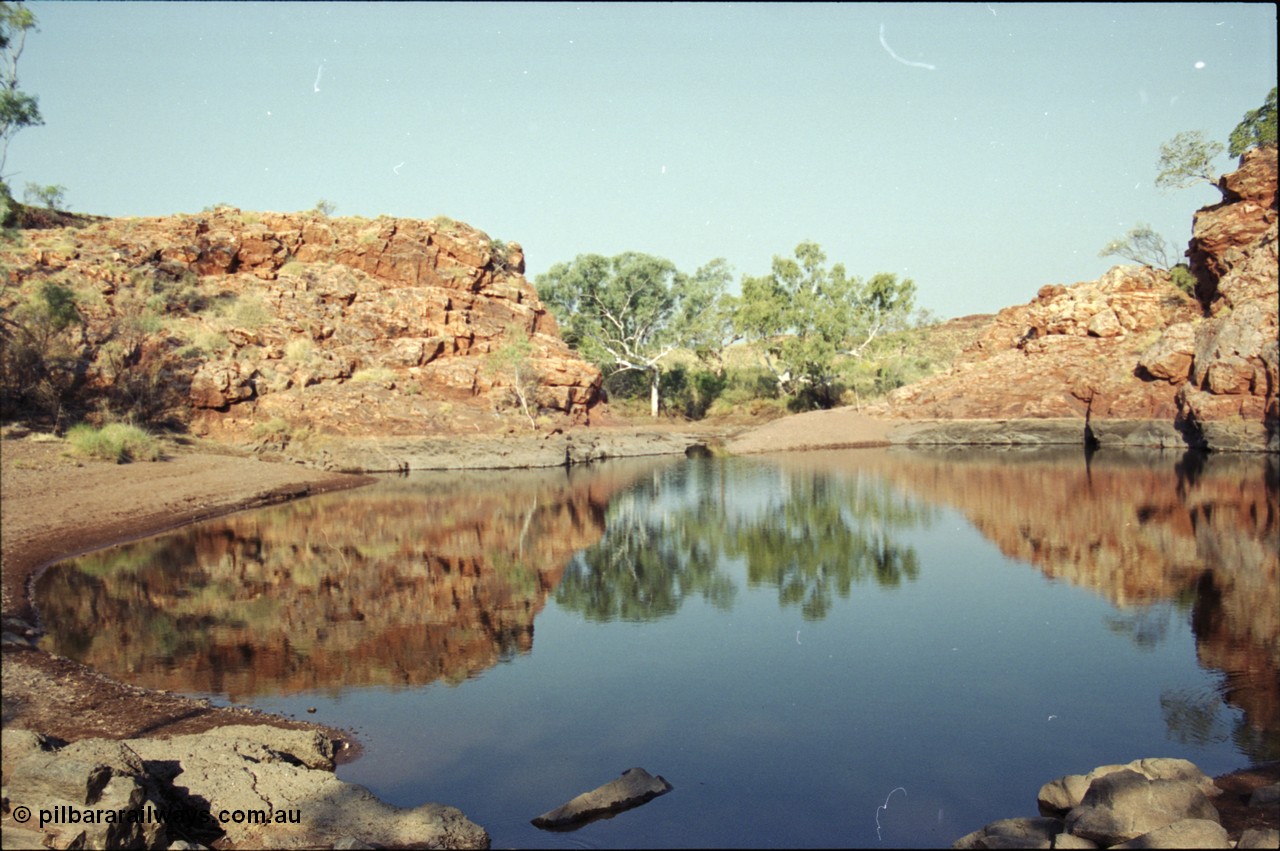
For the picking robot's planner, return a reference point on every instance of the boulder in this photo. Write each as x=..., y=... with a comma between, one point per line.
x=1013, y=833
x=635, y=787
x=1059, y=796
x=85, y=786
x=287, y=774
x=1169, y=357
x=247, y=786
x=1259, y=837
x=1124, y=805
x=1265, y=796
x=1188, y=833
x=1131, y=345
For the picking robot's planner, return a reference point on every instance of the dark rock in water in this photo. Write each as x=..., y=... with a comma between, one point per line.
x=635, y=787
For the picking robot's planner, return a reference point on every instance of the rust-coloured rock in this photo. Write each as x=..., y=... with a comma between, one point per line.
x=1132, y=346
x=273, y=316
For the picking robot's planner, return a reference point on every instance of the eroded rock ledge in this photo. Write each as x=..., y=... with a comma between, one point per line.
x=239, y=787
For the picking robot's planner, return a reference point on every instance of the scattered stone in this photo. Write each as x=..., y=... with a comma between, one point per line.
x=635, y=787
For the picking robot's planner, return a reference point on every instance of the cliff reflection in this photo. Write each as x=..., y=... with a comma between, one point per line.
x=439, y=577
x=410, y=581
x=1159, y=536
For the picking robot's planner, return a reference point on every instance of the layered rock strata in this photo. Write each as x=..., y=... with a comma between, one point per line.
x=229, y=319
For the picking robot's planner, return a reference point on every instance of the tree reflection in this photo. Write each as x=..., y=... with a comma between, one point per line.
x=813, y=537
x=823, y=536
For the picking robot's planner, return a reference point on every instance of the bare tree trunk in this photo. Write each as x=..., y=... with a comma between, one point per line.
x=653, y=393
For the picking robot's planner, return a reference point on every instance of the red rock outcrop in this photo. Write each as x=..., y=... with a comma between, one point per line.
x=1071, y=351
x=1235, y=370
x=349, y=325
x=1132, y=346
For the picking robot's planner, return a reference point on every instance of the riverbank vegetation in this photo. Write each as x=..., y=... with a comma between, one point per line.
x=804, y=335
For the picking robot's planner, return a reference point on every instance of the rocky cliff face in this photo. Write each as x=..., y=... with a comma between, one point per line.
x=226, y=320
x=1234, y=369
x=1132, y=346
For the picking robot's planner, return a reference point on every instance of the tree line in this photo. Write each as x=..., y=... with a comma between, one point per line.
x=630, y=313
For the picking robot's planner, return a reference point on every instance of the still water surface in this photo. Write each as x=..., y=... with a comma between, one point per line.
x=787, y=639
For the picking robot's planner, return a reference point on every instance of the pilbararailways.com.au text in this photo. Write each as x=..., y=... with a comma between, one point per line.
x=65, y=814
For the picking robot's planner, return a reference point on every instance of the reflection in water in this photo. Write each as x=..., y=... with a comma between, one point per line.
x=1154, y=535
x=418, y=579
x=806, y=535
x=439, y=577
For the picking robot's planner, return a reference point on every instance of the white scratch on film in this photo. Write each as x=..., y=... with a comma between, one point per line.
x=886, y=46
x=885, y=806
x=319, y=71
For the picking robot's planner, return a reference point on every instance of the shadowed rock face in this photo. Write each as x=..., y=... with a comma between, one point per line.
x=351, y=326
x=1235, y=374
x=1130, y=345
x=405, y=583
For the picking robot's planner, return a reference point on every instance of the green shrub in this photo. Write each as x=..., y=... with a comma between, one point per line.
x=119, y=442
x=690, y=391
x=1183, y=279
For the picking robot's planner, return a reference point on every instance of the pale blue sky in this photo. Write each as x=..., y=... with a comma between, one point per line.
x=689, y=131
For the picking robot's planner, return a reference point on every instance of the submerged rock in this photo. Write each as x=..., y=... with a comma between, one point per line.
x=635, y=787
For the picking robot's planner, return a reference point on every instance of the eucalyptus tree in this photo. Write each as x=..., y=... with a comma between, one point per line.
x=17, y=108
x=1141, y=245
x=1187, y=159
x=805, y=316
x=1258, y=127
x=631, y=311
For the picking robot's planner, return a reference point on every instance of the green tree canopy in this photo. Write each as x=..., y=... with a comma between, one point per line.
x=17, y=108
x=806, y=315
x=632, y=310
x=1187, y=159
x=1258, y=127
